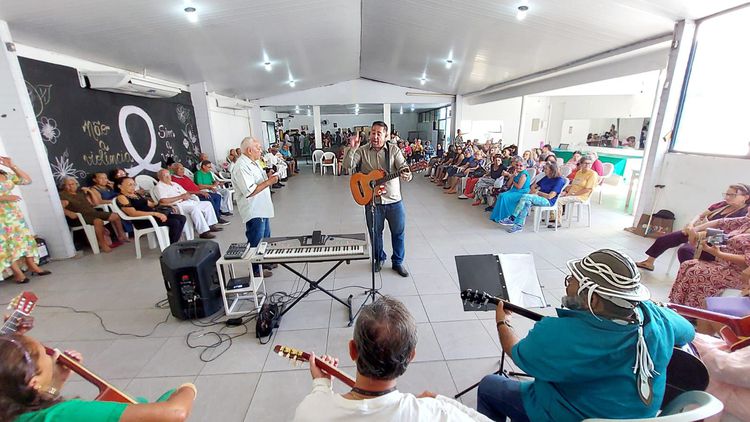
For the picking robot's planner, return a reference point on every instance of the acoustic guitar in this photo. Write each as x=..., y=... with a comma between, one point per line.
x=299, y=356
x=735, y=332
x=363, y=185
x=22, y=306
x=482, y=298
x=107, y=392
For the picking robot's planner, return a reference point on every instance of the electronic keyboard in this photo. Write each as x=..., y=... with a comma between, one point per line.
x=312, y=248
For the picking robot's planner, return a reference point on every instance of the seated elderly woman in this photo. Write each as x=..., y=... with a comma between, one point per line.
x=102, y=189
x=440, y=175
x=136, y=205
x=544, y=194
x=529, y=159
x=487, y=182
x=507, y=201
x=74, y=200
x=699, y=279
x=286, y=153
x=475, y=164
x=735, y=204
x=573, y=162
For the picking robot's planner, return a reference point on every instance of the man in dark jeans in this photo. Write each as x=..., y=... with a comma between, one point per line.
x=252, y=186
x=379, y=154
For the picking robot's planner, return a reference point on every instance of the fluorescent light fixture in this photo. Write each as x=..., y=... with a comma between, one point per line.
x=192, y=14
x=292, y=83
x=401, y=110
x=448, y=63
x=356, y=112
x=521, y=15
x=268, y=66
x=423, y=80
x=309, y=113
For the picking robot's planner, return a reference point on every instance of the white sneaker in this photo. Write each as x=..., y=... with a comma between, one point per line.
x=462, y=196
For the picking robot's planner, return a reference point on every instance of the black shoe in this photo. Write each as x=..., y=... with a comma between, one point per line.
x=222, y=222
x=227, y=214
x=284, y=179
x=206, y=235
x=378, y=266
x=277, y=186
x=488, y=209
x=272, y=192
x=215, y=228
x=400, y=270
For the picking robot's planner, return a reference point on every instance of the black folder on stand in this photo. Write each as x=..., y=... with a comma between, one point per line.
x=483, y=273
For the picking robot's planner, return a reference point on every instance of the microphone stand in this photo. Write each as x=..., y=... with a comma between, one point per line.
x=372, y=291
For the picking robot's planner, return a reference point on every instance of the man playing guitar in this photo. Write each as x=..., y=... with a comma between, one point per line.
x=379, y=154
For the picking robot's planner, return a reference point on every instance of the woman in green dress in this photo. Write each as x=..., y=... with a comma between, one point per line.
x=16, y=240
x=32, y=380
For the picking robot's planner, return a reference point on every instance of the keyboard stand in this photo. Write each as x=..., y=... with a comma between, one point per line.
x=315, y=285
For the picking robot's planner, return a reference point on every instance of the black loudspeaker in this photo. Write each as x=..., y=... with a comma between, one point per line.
x=191, y=279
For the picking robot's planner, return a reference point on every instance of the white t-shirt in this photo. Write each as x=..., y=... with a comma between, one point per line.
x=322, y=404
x=246, y=175
x=164, y=190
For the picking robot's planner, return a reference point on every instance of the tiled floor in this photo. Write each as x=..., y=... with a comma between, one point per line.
x=248, y=382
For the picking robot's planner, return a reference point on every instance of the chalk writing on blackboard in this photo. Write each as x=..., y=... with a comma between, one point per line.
x=142, y=163
x=62, y=167
x=48, y=129
x=183, y=113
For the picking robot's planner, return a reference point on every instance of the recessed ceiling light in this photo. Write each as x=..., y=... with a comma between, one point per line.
x=268, y=66
x=448, y=63
x=423, y=80
x=192, y=14
x=292, y=83
x=521, y=15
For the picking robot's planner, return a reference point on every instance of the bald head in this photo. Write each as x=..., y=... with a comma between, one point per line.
x=252, y=148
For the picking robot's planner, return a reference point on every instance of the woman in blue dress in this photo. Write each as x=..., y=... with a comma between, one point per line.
x=506, y=202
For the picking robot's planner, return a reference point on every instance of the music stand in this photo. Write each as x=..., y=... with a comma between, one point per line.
x=485, y=273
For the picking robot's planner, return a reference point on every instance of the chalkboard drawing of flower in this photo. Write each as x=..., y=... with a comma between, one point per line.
x=183, y=114
x=185, y=143
x=62, y=168
x=48, y=129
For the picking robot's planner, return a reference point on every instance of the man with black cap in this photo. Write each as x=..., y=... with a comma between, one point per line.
x=604, y=357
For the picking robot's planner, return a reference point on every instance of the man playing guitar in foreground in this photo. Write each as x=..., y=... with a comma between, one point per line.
x=379, y=154
x=604, y=357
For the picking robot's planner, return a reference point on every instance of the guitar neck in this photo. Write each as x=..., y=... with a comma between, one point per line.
x=113, y=394
x=740, y=326
x=331, y=370
x=516, y=309
x=11, y=325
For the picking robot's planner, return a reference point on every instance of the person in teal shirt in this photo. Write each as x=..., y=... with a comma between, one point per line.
x=32, y=380
x=507, y=201
x=604, y=357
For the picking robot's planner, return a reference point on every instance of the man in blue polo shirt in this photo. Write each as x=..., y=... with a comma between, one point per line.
x=604, y=357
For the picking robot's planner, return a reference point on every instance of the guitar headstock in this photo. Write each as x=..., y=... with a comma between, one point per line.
x=23, y=303
x=475, y=297
x=291, y=353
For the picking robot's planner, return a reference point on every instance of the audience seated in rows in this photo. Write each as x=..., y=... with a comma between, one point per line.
x=179, y=177
x=493, y=178
x=735, y=204
x=384, y=344
x=580, y=187
x=698, y=279
x=207, y=181
x=472, y=167
x=201, y=213
x=136, y=205
x=507, y=201
x=544, y=193
x=75, y=200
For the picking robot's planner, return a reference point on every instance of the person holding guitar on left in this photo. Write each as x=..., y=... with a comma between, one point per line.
x=380, y=154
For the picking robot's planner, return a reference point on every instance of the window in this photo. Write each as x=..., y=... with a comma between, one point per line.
x=713, y=107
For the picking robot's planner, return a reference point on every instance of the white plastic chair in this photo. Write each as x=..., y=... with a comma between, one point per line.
x=577, y=208
x=187, y=230
x=540, y=211
x=560, y=162
x=701, y=405
x=188, y=173
x=317, y=156
x=532, y=173
x=145, y=182
x=328, y=156
x=609, y=169
x=154, y=234
x=565, y=171
x=89, y=231
x=227, y=183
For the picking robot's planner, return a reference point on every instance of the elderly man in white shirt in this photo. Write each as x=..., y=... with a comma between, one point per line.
x=273, y=158
x=384, y=343
x=201, y=212
x=252, y=187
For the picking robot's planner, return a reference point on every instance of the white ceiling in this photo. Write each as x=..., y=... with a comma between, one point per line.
x=350, y=108
x=321, y=42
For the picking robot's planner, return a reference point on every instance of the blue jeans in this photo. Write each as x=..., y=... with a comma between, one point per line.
x=396, y=217
x=499, y=397
x=255, y=230
x=524, y=206
x=215, y=199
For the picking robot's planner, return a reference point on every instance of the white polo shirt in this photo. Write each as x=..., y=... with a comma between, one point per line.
x=164, y=190
x=246, y=175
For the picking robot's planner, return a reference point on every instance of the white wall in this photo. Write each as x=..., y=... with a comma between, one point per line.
x=534, y=108
x=404, y=123
x=228, y=128
x=692, y=182
x=507, y=112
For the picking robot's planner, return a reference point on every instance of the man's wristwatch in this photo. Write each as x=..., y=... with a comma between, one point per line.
x=503, y=322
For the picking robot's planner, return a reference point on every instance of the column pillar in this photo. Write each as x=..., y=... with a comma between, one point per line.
x=457, y=108
x=256, y=125
x=317, y=127
x=22, y=142
x=199, y=98
x=665, y=113
x=387, y=117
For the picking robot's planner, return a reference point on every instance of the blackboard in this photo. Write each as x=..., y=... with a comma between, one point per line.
x=87, y=131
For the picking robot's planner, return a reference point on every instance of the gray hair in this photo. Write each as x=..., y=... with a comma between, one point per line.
x=160, y=172
x=64, y=180
x=385, y=336
x=245, y=144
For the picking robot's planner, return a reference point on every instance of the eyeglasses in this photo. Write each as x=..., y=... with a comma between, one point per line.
x=729, y=195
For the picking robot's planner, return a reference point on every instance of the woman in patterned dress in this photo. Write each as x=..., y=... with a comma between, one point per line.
x=699, y=279
x=16, y=241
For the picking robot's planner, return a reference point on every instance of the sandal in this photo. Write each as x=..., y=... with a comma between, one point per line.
x=644, y=266
x=41, y=273
x=24, y=281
